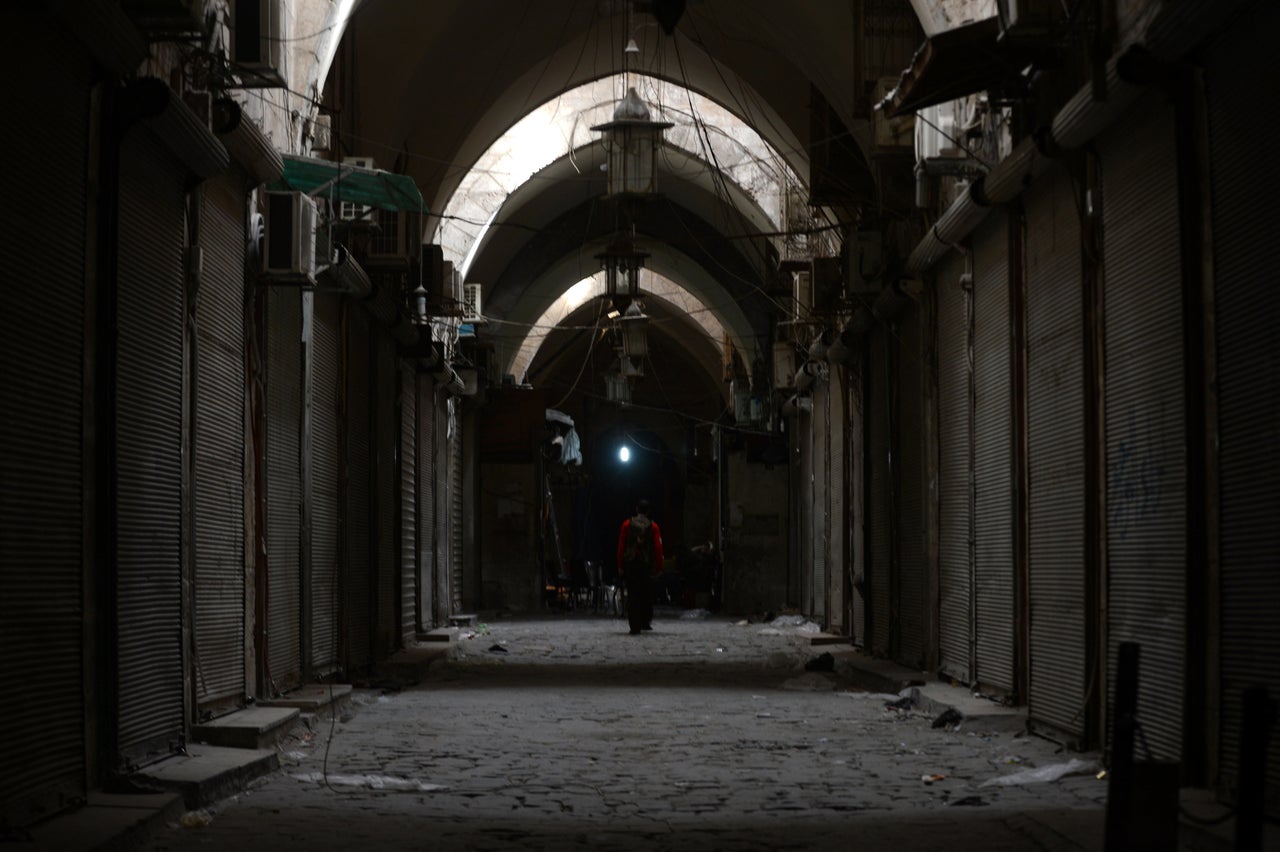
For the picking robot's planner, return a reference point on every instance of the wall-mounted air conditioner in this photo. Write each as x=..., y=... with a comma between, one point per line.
x=258, y=41
x=290, y=251
x=472, y=309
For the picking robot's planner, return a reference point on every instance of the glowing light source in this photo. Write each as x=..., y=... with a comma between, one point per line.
x=624, y=454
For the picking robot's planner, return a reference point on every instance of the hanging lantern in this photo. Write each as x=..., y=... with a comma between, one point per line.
x=632, y=140
x=633, y=326
x=616, y=387
x=621, y=263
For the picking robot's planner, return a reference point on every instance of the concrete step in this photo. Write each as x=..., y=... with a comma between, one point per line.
x=409, y=665
x=463, y=620
x=107, y=822
x=253, y=727
x=207, y=773
x=322, y=699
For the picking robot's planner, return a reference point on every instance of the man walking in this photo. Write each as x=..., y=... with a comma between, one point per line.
x=639, y=561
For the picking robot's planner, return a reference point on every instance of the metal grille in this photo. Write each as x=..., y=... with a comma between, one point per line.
x=455, y=505
x=219, y=442
x=879, y=501
x=913, y=560
x=358, y=585
x=1145, y=414
x=1246, y=306
x=955, y=443
x=993, y=453
x=325, y=557
x=41, y=382
x=408, y=503
x=149, y=459
x=284, y=486
x=387, y=475
x=1056, y=453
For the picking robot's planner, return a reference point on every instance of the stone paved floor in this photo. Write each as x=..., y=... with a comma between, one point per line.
x=703, y=734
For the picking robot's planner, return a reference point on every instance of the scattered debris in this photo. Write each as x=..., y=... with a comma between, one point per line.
x=1102, y=775
x=497, y=649
x=719, y=650
x=694, y=613
x=824, y=662
x=195, y=819
x=743, y=623
x=929, y=779
x=906, y=702
x=948, y=718
x=1044, y=774
x=372, y=782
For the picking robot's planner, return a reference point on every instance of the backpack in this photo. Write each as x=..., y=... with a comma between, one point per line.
x=638, y=549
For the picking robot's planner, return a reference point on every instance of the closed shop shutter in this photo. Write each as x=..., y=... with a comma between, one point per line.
x=838, y=523
x=1056, y=455
x=804, y=504
x=880, y=500
x=408, y=503
x=819, y=504
x=149, y=458
x=387, y=474
x=284, y=486
x=326, y=560
x=455, y=505
x=859, y=545
x=218, y=438
x=41, y=386
x=913, y=594
x=1247, y=305
x=358, y=583
x=955, y=443
x=1146, y=414
x=428, y=505
x=993, y=453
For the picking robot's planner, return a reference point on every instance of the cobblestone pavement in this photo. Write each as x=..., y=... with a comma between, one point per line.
x=702, y=734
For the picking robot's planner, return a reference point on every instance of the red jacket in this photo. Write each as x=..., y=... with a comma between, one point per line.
x=657, y=546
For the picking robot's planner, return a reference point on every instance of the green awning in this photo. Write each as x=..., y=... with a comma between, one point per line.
x=344, y=182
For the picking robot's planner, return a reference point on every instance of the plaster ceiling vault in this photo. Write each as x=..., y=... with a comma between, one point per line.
x=428, y=88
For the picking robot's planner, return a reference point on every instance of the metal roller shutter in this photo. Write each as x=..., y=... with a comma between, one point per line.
x=149, y=457
x=409, y=546
x=819, y=505
x=993, y=454
x=1247, y=306
x=358, y=582
x=955, y=472
x=858, y=541
x=218, y=438
x=804, y=508
x=838, y=522
x=455, y=505
x=284, y=486
x=326, y=559
x=1145, y=414
x=913, y=592
x=41, y=387
x=387, y=474
x=1056, y=455
x=428, y=505
x=880, y=499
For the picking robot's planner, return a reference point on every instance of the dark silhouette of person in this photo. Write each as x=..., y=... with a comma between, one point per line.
x=639, y=561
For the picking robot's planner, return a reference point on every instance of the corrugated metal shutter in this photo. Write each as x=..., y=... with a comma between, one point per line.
x=1056, y=455
x=993, y=452
x=41, y=387
x=326, y=560
x=838, y=521
x=408, y=503
x=804, y=505
x=859, y=545
x=955, y=471
x=819, y=505
x=1247, y=306
x=913, y=594
x=149, y=458
x=428, y=505
x=455, y=505
x=387, y=474
x=284, y=486
x=358, y=582
x=880, y=499
x=1145, y=414
x=218, y=438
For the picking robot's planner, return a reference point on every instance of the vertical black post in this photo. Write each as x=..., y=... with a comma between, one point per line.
x=1255, y=728
x=1120, y=788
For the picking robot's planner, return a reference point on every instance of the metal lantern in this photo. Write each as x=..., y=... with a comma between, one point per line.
x=632, y=140
x=616, y=386
x=621, y=263
x=633, y=327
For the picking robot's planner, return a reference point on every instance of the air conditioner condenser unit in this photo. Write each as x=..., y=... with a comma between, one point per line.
x=290, y=252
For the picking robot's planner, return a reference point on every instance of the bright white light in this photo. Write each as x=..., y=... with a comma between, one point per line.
x=624, y=455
